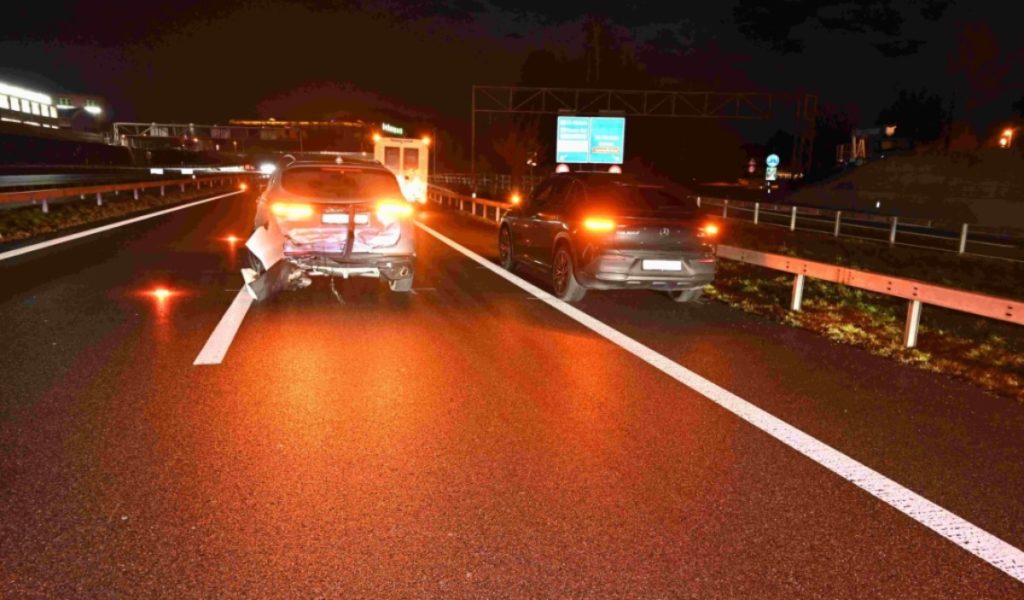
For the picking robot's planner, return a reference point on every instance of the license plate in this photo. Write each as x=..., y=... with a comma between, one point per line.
x=335, y=218
x=662, y=265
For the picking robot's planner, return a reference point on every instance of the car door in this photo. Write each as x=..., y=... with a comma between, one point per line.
x=549, y=220
x=523, y=228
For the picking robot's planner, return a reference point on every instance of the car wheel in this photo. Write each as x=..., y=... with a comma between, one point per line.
x=563, y=276
x=691, y=295
x=401, y=285
x=505, y=254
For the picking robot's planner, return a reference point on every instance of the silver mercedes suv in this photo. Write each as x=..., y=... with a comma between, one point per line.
x=335, y=215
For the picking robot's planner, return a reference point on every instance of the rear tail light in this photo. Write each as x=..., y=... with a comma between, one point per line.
x=598, y=224
x=389, y=211
x=292, y=212
x=710, y=230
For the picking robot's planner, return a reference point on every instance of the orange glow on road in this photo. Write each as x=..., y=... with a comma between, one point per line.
x=515, y=199
x=426, y=140
x=243, y=187
x=161, y=293
x=711, y=230
x=231, y=239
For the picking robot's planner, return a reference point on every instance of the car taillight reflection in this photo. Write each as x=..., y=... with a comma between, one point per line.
x=292, y=212
x=598, y=224
x=389, y=211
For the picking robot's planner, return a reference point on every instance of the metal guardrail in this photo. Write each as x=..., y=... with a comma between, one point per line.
x=917, y=293
x=44, y=196
x=988, y=242
x=926, y=233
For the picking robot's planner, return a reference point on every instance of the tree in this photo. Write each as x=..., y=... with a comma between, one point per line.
x=519, y=143
x=920, y=116
x=775, y=23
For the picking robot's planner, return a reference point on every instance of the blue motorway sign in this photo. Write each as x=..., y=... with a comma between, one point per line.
x=590, y=140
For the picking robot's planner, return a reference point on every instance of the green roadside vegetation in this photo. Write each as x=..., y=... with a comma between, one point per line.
x=986, y=352
x=30, y=221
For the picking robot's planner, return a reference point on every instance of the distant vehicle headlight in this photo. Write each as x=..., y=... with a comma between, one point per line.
x=268, y=168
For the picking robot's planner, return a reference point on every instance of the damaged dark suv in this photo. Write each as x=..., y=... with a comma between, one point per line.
x=332, y=216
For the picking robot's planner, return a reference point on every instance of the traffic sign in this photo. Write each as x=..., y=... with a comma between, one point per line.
x=751, y=166
x=772, y=160
x=590, y=140
x=770, y=173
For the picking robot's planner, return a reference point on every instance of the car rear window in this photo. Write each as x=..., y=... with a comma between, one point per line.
x=340, y=182
x=641, y=198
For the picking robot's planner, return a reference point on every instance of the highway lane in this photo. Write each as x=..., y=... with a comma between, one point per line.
x=465, y=440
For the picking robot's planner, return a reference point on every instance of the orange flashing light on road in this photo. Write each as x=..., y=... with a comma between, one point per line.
x=598, y=224
x=515, y=199
x=231, y=239
x=243, y=187
x=426, y=140
x=710, y=230
x=376, y=138
x=161, y=293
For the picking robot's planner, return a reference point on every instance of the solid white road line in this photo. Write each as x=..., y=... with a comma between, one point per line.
x=224, y=333
x=88, y=232
x=989, y=548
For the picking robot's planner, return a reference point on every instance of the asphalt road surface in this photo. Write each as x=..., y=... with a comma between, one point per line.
x=466, y=440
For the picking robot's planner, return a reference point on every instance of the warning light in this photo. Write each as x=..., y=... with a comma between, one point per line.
x=161, y=293
x=243, y=187
x=515, y=199
x=376, y=138
x=426, y=140
x=231, y=239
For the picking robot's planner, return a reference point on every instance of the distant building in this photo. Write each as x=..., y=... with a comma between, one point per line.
x=27, y=107
x=82, y=112
x=872, y=143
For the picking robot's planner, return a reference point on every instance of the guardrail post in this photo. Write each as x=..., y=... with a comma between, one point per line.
x=839, y=217
x=135, y=193
x=183, y=187
x=792, y=219
x=46, y=206
x=757, y=210
x=725, y=209
x=99, y=199
x=497, y=214
x=892, y=231
x=698, y=201
x=798, y=292
x=913, y=324
x=963, y=238
x=161, y=191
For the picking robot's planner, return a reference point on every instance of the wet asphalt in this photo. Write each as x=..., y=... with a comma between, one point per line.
x=462, y=441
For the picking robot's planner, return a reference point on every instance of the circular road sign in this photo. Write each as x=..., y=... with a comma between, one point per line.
x=772, y=160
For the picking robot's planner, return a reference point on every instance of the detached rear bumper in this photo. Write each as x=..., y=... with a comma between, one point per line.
x=355, y=265
x=625, y=270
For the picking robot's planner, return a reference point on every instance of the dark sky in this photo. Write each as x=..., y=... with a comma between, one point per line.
x=208, y=60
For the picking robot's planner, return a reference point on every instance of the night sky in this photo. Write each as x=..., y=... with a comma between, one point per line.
x=206, y=61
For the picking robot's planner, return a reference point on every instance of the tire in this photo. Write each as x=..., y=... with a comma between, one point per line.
x=686, y=296
x=563, y=276
x=403, y=285
x=506, y=255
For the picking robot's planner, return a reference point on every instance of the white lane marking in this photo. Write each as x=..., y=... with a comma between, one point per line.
x=108, y=227
x=224, y=333
x=984, y=545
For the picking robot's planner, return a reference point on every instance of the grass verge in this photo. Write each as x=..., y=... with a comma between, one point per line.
x=985, y=352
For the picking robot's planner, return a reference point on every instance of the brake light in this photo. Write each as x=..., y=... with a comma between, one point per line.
x=710, y=230
x=292, y=212
x=598, y=224
x=392, y=210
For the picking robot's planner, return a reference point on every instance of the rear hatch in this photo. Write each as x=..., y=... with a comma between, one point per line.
x=338, y=209
x=647, y=218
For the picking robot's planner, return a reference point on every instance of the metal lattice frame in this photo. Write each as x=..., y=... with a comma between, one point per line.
x=644, y=103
